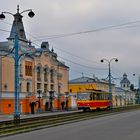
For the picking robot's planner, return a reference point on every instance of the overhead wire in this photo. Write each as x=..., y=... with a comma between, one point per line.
x=119, y=26
x=81, y=64
x=85, y=32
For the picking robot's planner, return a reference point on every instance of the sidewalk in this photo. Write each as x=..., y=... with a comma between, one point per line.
x=10, y=117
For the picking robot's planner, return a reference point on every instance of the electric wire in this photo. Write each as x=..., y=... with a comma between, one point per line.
x=87, y=31
x=119, y=26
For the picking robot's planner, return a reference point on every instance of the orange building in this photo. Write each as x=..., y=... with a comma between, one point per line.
x=43, y=79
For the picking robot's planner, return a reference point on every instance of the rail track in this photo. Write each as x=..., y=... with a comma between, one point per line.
x=29, y=124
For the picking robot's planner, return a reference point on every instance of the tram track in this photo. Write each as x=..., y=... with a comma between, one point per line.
x=30, y=124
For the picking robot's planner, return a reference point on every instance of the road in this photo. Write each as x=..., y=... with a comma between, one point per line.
x=124, y=126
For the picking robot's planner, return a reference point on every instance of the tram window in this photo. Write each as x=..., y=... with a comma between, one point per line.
x=98, y=97
x=83, y=96
x=91, y=96
x=94, y=96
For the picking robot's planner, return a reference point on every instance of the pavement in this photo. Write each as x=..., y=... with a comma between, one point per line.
x=22, y=116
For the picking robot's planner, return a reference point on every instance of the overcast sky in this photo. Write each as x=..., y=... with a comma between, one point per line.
x=83, y=52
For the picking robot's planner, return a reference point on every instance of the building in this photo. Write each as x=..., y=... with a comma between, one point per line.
x=43, y=79
x=123, y=95
x=85, y=84
x=125, y=83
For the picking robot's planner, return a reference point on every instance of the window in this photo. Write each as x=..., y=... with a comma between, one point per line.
x=45, y=88
x=59, y=88
x=28, y=68
x=52, y=87
x=20, y=69
x=28, y=87
x=59, y=76
x=20, y=87
x=52, y=75
x=38, y=73
x=46, y=75
x=83, y=96
x=38, y=86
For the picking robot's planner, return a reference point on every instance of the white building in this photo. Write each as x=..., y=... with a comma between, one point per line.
x=123, y=95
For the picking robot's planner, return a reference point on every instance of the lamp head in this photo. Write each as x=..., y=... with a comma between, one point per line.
x=102, y=60
x=116, y=60
x=31, y=14
x=2, y=16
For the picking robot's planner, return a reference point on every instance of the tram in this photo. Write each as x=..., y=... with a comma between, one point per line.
x=93, y=100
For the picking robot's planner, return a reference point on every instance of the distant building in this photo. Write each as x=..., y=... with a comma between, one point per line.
x=125, y=83
x=123, y=95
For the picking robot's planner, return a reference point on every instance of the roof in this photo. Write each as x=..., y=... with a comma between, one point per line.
x=119, y=89
x=18, y=28
x=62, y=65
x=84, y=79
x=125, y=80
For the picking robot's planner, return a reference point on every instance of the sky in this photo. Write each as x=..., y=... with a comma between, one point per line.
x=114, y=26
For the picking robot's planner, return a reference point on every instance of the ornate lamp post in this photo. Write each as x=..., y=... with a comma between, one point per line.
x=51, y=100
x=39, y=101
x=17, y=19
x=67, y=101
x=109, y=74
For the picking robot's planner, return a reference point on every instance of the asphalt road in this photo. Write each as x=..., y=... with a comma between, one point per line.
x=124, y=126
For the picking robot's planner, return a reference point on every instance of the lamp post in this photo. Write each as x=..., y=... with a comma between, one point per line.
x=138, y=100
x=39, y=97
x=67, y=101
x=109, y=74
x=17, y=18
x=51, y=100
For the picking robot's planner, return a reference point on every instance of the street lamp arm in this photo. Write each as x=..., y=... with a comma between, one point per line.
x=109, y=61
x=104, y=59
x=26, y=11
x=114, y=59
x=8, y=13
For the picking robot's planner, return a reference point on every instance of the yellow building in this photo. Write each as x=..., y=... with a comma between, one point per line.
x=85, y=84
x=43, y=79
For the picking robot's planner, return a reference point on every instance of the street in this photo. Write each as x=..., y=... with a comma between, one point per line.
x=124, y=126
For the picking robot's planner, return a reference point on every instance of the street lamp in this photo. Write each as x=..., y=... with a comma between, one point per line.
x=67, y=101
x=109, y=74
x=138, y=87
x=39, y=102
x=51, y=100
x=17, y=18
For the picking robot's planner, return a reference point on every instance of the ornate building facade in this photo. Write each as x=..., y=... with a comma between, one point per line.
x=43, y=79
